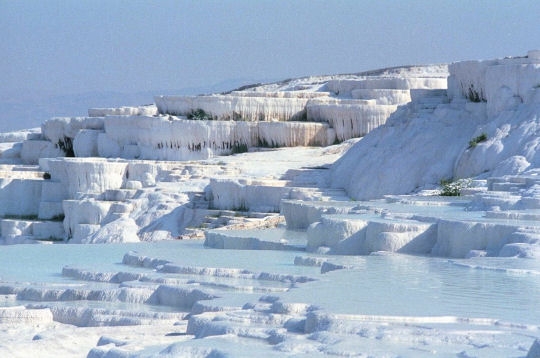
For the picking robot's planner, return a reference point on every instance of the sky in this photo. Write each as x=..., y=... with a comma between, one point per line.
x=68, y=48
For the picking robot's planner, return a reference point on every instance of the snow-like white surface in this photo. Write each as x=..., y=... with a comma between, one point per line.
x=164, y=138
x=227, y=107
x=434, y=137
x=148, y=110
x=342, y=250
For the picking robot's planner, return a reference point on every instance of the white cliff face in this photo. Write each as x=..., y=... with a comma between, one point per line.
x=421, y=159
x=407, y=146
x=166, y=138
x=349, y=119
x=244, y=195
x=57, y=129
x=314, y=111
x=20, y=197
x=495, y=99
x=149, y=110
x=80, y=177
x=32, y=150
x=235, y=107
x=85, y=143
x=347, y=87
x=382, y=96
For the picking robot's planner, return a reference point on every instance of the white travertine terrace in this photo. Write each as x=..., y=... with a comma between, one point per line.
x=149, y=173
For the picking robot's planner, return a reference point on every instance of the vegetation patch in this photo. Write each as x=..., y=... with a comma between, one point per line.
x=263, y=143
x=66, y=145
x=475, y=95
x=199, y=115
x=238, y=148
x=474, y=142
x=454, y=188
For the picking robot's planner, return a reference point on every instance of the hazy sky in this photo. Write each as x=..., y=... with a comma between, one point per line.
x=77, y=46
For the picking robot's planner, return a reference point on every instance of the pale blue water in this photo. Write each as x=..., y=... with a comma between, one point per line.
x=507, y=289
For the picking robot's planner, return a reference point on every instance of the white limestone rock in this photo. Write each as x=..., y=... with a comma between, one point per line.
x=20, y=197
x=292, y=134
x=50, y=210
x=341, y=235
x=349, y=120
x=118, y=231
x=233, y=107
x=53, y=191
x=534, y=350
x=400, y=236
x=87, y=175
x=10, y=152
x=511, y=134
x=82, y=233
x=299, y=215
x=11, y=228
x=383, y=96
x=48, y=230
x=521, y=250
x=149, y=110
x=345, y=87
x=362, y=236
x=458, y=238
x=59, y=128
x=244, y=195
x=21, y=136
x=87, y=211
x=107, y=147
x=513, y=165
x=85, y=143
x=19, y=315
x=404, y=154
x=32, y=150
x=164, y=138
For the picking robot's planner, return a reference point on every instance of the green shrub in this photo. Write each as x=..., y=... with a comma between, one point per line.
x=474, y=142
x=453, y=188
x=238, y=148
x=199, y=115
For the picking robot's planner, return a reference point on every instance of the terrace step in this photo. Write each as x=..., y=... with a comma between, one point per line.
x=17, y=231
